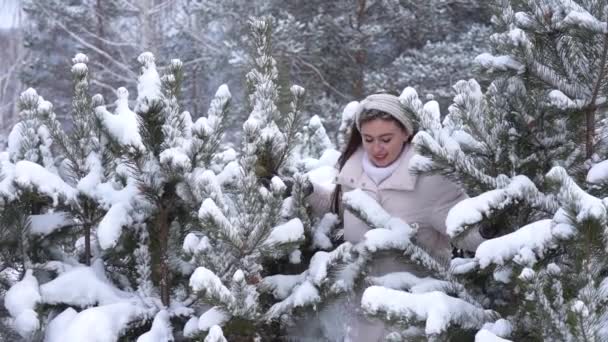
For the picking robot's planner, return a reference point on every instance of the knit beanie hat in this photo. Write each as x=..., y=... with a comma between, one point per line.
x=386, y=103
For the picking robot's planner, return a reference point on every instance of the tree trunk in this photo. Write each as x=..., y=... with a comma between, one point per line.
x=361, y=53
x=590, y=112
x=162, y=228
x=87, y=244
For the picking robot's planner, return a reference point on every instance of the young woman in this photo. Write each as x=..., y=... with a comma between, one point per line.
x=376, y=160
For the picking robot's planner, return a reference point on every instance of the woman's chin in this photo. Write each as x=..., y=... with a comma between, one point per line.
x=380, y=163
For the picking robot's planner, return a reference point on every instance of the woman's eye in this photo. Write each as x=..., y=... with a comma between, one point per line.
x=386, y=141
x=369, y=140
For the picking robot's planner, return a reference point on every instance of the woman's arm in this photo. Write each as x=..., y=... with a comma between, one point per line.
x=444, y=195
x=320, y=199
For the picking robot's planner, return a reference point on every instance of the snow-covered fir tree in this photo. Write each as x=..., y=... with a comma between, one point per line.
x=131, y=224
x=246, y=225
x=513, y=148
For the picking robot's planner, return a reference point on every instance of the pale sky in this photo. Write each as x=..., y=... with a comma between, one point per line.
x=8, y=13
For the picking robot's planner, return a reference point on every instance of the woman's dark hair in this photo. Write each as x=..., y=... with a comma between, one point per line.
x=354, y=142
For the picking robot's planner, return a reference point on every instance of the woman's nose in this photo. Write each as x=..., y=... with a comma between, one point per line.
x=377, y=148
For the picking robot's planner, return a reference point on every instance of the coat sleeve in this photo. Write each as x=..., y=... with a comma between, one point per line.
x=446, y=195
x=320, y=199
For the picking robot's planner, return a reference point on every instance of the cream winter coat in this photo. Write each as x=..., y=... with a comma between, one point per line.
x=424, y=200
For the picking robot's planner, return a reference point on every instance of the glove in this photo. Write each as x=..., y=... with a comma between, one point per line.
x=307, y=187
x=488, y=231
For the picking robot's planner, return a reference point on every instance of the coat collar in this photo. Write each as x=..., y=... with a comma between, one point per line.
x=352, y=174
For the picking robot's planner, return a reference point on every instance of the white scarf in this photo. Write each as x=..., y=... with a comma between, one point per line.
x=379, y=174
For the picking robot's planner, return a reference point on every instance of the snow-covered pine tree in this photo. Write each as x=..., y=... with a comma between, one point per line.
x=29, y=147
x=509, y=147
x=77, y=193
x=99, y=187
x=245, y=224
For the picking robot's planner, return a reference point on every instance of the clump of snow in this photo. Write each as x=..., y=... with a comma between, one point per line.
x=30, y=175
x=527, y=274
x=521, y=246
x=501, y=328
x=148, y=85
x=82, y=287
x=20, y=301
x=303, y=294
x=191, y=242
x=295, y=257
x=437, y=309
x=463, y=265
x=58, y=325
x=277, y=185
x=211, y=317
x=123, y=125
x=45, y=224
x=584, y=20
x=215, y=335
x=473, y=210
x=502, y=63
x=100, y=323
x=396, y=236
x=320, y=238
x=318, y=267
x=297, y=90
x=175, y=158
x=191, y=327
x=80, y=58
x=432, y=109
x=359, y=201
x=88, y=183
x=79, y=68
x=288, y=232
x=223, y=91
x=230, y=173
x=589, y=207
x=598, y=173
x=281, y=285
x=561, y=101
x=160, y=330
x=110, y=227
x=14, y=141
x=484, y=335
x=203, y=279
x=409, y=282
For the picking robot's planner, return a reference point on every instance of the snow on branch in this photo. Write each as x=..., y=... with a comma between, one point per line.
x=81, y=287
x=20, y=301
x=524, y=246
x=32, y=176
x=210, y=213
x=587, y=206
x=303, y=295
x=99, y=323
x=205, y=281
x=161, y=329
x=122, y=126
x=406, y=281
x=582, y=19
x=369, y=210
x=289, y=232
x=474, y=210
x=439, y=316
x=502, y=63
x=214, y=317
x=149, y=83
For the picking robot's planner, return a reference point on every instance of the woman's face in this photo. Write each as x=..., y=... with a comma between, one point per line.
x=383, y=140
